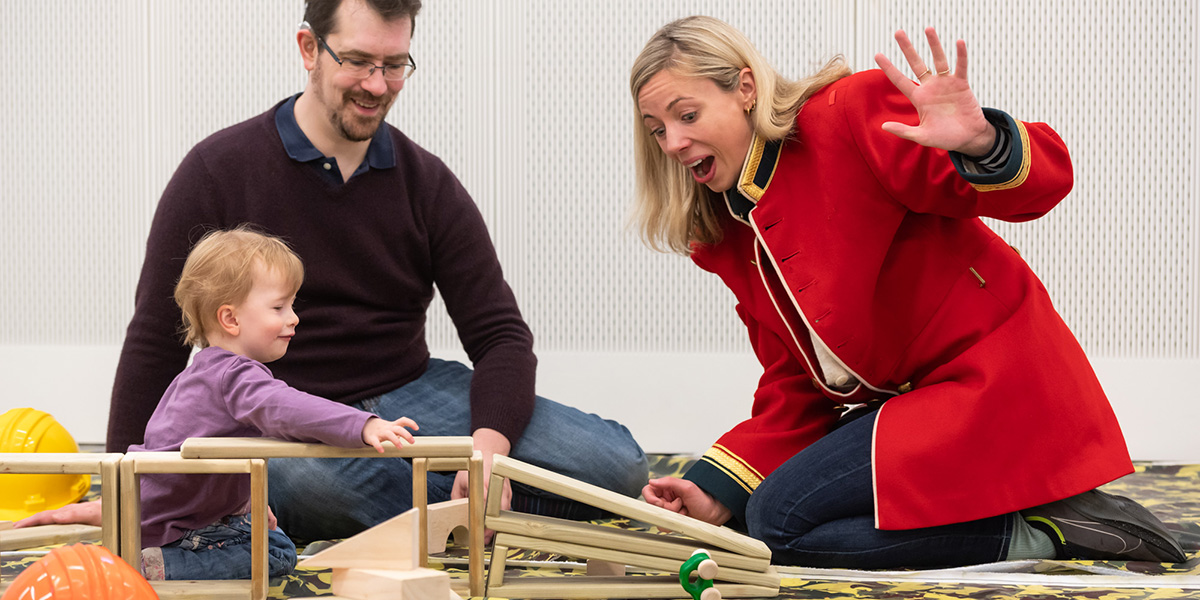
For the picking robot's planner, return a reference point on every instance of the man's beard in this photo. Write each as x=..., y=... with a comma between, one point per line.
x=353, y=127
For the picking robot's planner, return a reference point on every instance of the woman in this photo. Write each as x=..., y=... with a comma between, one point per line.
x=843, y=211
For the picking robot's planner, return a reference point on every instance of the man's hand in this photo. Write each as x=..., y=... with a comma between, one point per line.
x=686, y=498
x=86, y=513
x=489, y=443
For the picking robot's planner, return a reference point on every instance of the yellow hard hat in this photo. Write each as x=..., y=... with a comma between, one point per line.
x=21, y=495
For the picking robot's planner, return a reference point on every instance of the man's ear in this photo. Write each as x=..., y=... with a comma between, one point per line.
x=309, y=48
x=227, y=319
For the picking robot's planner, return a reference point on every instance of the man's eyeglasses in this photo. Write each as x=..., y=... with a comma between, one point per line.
x=362, y=69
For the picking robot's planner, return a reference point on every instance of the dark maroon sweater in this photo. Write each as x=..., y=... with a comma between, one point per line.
x=372, y=249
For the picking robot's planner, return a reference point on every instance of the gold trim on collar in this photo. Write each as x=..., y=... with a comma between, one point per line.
x=751, y=169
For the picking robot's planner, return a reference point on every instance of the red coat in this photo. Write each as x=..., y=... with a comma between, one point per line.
x=875, y=244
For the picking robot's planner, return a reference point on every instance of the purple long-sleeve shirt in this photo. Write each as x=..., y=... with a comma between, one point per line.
x=222, y=394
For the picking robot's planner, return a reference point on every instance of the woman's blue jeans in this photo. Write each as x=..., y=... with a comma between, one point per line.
x=331, y=498
x=817, y=510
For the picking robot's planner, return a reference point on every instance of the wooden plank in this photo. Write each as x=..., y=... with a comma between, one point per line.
x=420, y=501
x=496, y=566
x=475, y=526
x=642, y=542
x=46, y=535
x=259, y=578
x=224, y=589
x=55, y=462
x=110, y=502
x=495, y=493
x=632, y=508
x=582, y=586
x=768, y=578
x=449, y=464
x=173, y=462
x=427, y=446
x=131, y=516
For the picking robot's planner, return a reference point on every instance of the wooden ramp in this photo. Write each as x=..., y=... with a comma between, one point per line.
x=744, y=563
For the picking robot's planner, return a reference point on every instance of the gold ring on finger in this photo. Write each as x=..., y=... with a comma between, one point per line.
x=922, y=74
x=946, y=72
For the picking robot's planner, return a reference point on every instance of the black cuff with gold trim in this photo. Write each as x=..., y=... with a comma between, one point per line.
x=720, y=486
x=1012, y=172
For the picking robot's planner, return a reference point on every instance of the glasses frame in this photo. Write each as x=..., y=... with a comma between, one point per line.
x=410, y=68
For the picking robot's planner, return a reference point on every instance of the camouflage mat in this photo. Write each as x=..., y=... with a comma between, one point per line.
x=1171, y=491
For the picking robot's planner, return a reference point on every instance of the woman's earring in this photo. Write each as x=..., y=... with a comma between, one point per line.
x=753, y=103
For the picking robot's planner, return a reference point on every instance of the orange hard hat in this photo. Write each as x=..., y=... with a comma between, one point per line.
x=22, y=495
x=80, y=572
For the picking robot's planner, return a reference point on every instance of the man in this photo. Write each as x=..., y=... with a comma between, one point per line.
x=378, y=221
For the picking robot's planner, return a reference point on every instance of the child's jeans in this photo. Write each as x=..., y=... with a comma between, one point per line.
x=219, y=551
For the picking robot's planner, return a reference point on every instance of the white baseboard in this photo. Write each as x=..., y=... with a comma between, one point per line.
x=671, y=402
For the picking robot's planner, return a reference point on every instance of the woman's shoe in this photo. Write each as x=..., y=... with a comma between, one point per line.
x=1099, y=526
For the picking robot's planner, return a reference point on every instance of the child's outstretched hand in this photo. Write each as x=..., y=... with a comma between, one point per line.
x=376, y=431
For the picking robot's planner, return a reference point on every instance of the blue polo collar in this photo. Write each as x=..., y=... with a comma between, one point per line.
x=380, y=154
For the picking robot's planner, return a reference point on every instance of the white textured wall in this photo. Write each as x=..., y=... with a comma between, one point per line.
x=527, y=101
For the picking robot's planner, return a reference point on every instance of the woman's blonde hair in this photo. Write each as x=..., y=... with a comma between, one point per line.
x=220, y=270
x=672, y=210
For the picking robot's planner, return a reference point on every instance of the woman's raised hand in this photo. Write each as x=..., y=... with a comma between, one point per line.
x=950, y=116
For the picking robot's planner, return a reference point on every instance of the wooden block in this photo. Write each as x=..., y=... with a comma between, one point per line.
x=494, y=494
x=445, y=518
x=225, y=589
x=642, y=542
x=592, y=495
x=448, y=464
x=475, y=530
x=106, y=465
x=46, y=535
x=428, y=446
x=392, y=544
x=131, y=516
x=134, y=464
x=496, y=567
x=372, y=584
x=4, y=525
x=174, y=462
x=768, y=578
x=604, y=568
x=259, y=578
x=420, y=501
x=569, y=587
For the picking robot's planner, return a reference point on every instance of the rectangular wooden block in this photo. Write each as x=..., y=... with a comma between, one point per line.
x=642, y=542
x=431, y=446
x=373, y=584
x=768, y=578
x=46, y=535
x=582, y=586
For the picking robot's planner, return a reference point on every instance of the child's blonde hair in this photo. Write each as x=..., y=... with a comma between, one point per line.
x=219, y=271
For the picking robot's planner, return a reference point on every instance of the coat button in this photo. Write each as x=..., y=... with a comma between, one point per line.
x=905, y=387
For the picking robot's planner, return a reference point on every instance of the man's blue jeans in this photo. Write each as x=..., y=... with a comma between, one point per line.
x=817, y=510
x=331, y=498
